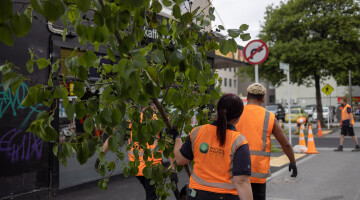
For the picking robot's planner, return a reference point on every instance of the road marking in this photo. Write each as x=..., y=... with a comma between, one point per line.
x=326, y=132
x=287, y=168
x=282, y=160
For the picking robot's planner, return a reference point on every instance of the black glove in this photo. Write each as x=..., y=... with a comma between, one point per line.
x=174, y=177
x=97, y=162
x=350, y=125
x=173, y=132
x=292, y=166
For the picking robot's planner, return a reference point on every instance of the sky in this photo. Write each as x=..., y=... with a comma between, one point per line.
x=236, y=12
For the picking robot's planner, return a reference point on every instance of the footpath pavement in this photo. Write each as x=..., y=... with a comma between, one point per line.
x=328, y=175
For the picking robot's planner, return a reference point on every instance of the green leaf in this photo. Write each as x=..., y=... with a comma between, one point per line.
x=111, y=166
x=245, y=36
x=211, y=13
x=37, y=6
x=82, y=153
x=116, y=116
x=105, y=115
x=6, y=10
x=234, y=32
x=102, y=170
x=163, y=30
x=157, y=7
x=55, y=149
x=53, y=9
x=152, y=73
x=158, y=56
x=147, y=172
x=65, y=31
x=70, y=110
x=139, y=61
x=176, y=11
x=228, y=45
x=244, y=27
x=88, y=125
x=221, y=27
x=42, y=63
x=20, y=24
x=175, y=57
x=89, y=59
x=197, y=61
x=78, y=89
x=113, y=145
x=5, y=35
x=80, y=110
x=169, y=75
x=167, y=3
x=83, y=5
x=111, y=55
x=50, y=134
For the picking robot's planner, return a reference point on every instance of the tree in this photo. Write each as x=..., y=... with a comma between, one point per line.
x=173, y=69
x=317, y=38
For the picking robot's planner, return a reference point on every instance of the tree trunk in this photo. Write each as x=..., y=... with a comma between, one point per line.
x=318, y=100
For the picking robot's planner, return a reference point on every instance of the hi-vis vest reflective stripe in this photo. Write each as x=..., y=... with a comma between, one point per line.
x=141, y=152
x=256, y=123
x=347, y=116
x=213, y=164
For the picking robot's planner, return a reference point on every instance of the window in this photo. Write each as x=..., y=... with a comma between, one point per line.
x=224, y=69
x=225, y=82
x=230, y=82
x=230, y=69
x=234, y=83
x=234, y=69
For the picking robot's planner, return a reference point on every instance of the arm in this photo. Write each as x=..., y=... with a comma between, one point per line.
x=243, y=186
x=285, y=145
x=180, y=159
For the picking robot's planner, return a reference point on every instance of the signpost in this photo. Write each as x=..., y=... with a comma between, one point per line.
x=327, y=89
x=256, y=52
x=286, y=68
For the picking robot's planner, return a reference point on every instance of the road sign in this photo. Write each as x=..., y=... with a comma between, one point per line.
x=284, y=66
x=327, y=89
x=256, y=52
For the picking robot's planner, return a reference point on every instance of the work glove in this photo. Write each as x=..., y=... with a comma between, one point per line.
x=173, y=133
x=350, y=126
x=97, y=162
x=292, y=166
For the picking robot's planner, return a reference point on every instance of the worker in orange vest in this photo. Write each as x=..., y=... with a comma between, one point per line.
x=150, y=190
x=301, y=120
x=257, y=124
x=221, y=155
x=347, y=122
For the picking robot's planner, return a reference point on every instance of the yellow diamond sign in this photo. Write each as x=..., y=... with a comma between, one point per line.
x=327, y=89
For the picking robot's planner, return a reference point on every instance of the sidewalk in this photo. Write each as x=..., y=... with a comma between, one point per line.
x=324, y=176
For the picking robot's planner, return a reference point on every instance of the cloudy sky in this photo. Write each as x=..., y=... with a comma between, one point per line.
x=233, y=13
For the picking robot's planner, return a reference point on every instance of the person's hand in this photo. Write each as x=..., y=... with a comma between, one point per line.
x=97, y=162
x=350, y=126
x=292, y=166
x=173, y=132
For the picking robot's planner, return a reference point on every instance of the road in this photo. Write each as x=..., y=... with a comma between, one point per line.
x=328, y=175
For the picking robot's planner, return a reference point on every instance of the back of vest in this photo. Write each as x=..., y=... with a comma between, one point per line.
x=256, y=124
x=212, y=162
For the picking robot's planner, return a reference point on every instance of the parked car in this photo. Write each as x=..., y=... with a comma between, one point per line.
x=291, y=107
x=278, y=110
x=310, y=109
x=295, y=113
x=325, y=114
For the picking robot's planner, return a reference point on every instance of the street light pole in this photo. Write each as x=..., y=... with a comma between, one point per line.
x=286, y=68
x=350, y=95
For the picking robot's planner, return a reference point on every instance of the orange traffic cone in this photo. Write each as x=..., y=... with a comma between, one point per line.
x=311, y=142
x=302, y=143
x=319, y=130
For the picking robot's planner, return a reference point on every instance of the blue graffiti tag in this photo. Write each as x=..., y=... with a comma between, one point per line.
x=29, y=146
x=8, y=101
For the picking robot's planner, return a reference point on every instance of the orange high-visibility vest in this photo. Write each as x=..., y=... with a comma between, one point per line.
x=256, y=123
x=213, y=163
x=301, y=118
x=347, y=116
x=141, y=152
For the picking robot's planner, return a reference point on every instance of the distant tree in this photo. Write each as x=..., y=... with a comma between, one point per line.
x=317, y=38
x=342, y=78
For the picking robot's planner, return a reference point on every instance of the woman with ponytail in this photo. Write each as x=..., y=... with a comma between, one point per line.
x=221, y=155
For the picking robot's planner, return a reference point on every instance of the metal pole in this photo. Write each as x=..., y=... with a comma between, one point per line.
x=329, y=113
x=350, y=95
x=256, y=73
x=288, y=82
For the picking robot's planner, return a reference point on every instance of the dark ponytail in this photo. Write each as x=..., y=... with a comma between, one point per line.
x=229, y=107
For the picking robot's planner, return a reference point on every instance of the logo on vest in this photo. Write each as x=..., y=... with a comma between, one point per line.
x=204, y=147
